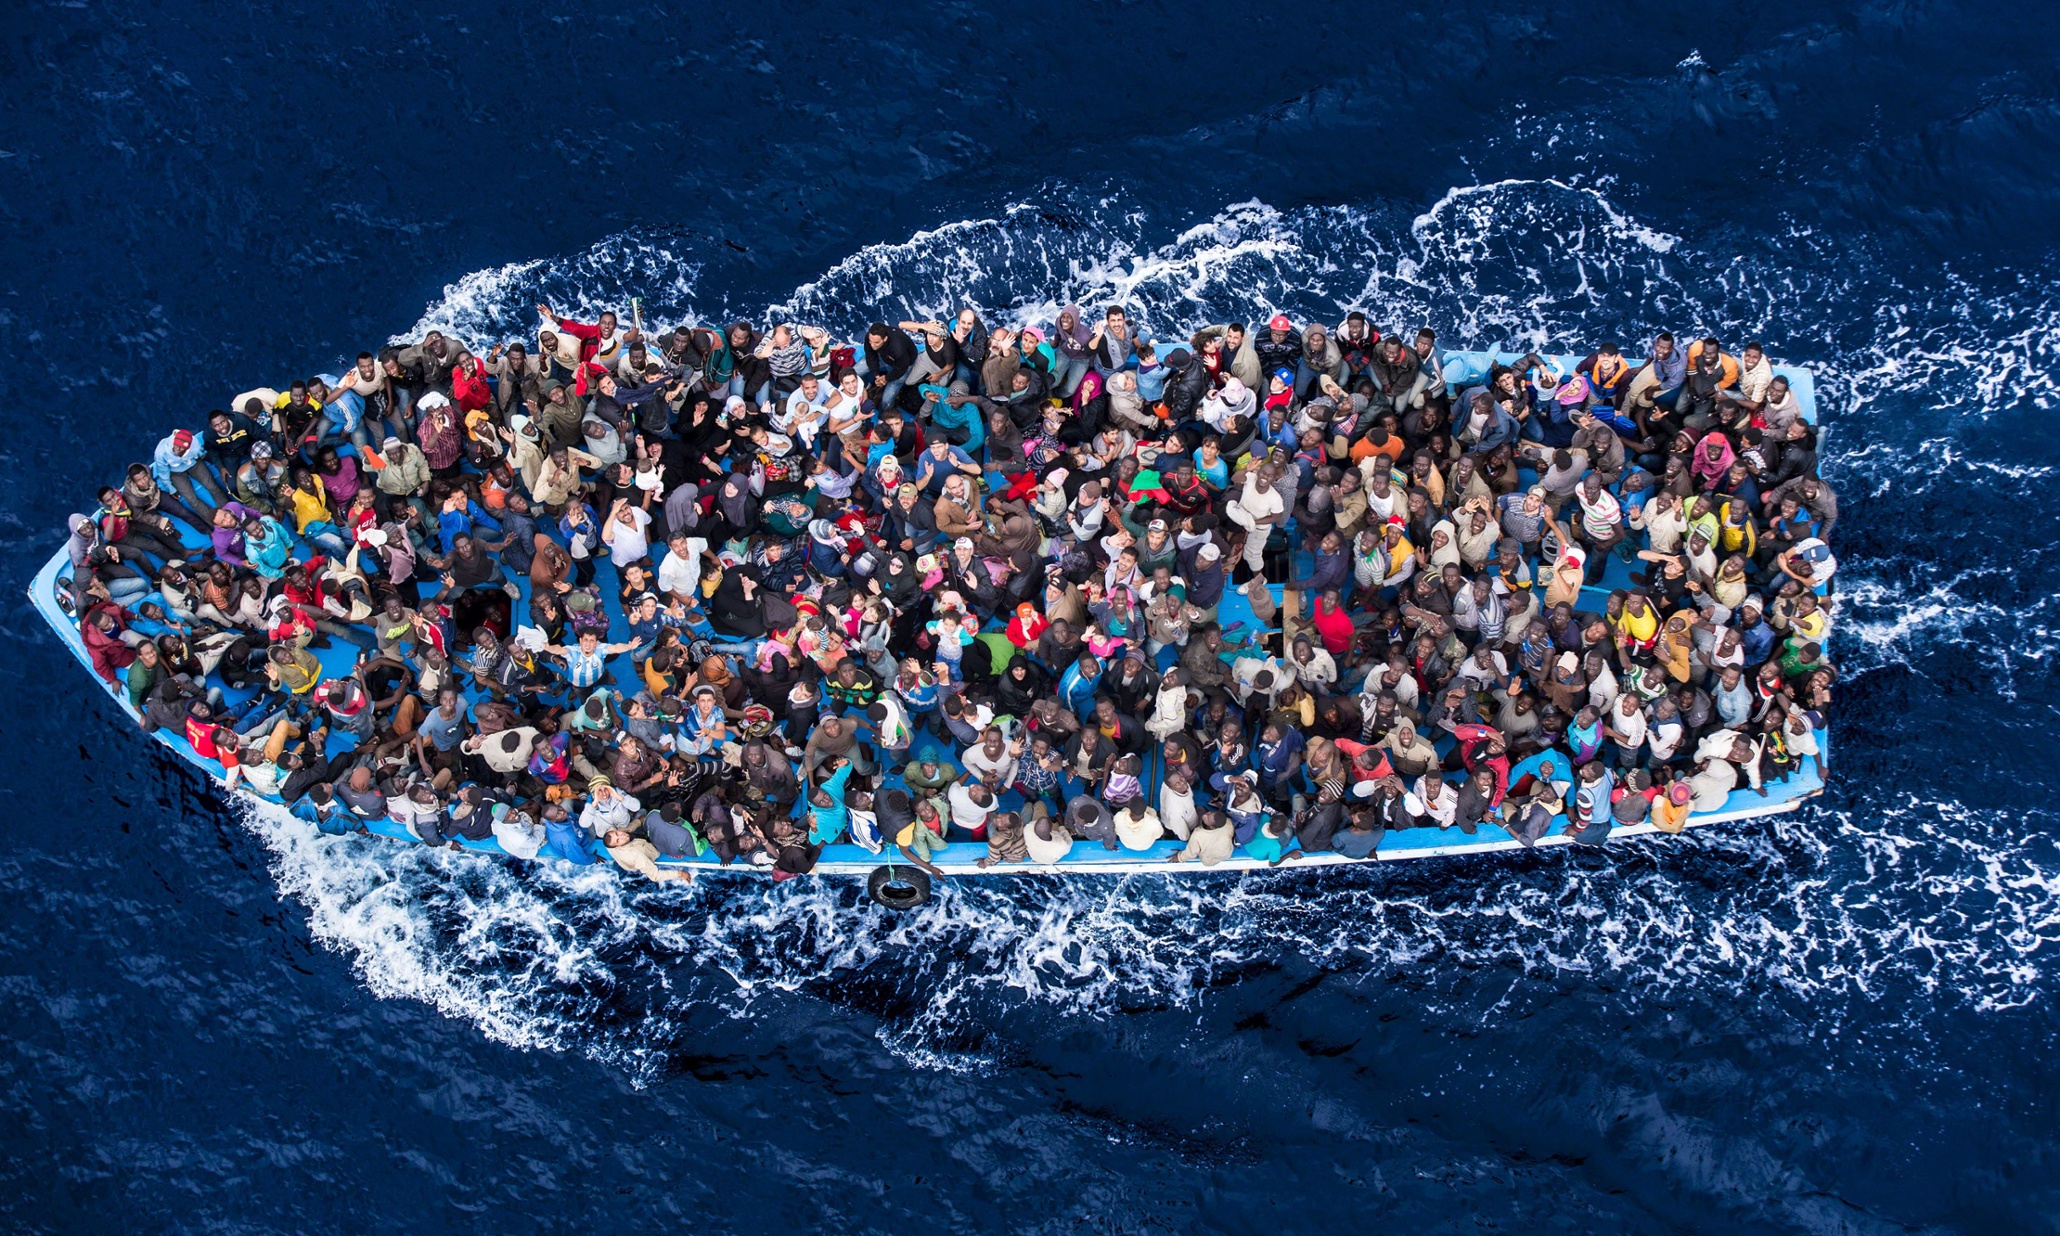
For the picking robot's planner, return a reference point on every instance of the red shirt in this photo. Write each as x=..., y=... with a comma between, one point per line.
x=1473, y=749
x=589, y=336
x=1333, y=625
x=469, y=390
x=1351, y=750
x=202, y=735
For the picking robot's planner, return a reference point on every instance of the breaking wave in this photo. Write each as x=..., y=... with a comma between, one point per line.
x=1875, y=898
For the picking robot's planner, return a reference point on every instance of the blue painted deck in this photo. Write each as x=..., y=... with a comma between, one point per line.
x=962, y=858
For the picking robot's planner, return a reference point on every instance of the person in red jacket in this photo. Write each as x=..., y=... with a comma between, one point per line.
x=593, y=340
x=469, y=388
x=1481, y=747
x=101, y=629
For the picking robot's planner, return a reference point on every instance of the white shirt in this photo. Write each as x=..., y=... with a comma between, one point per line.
x=977, y=763
x=1042, y=851
x=518, y=833
x=965, y=812
x=598, y=817
x=628, y=542
x=682, y=575
x=1442, y=812
x=1665, y=738
x=1798, y=557
x=1632, y=727
x=801, y=415
x=1177, y=812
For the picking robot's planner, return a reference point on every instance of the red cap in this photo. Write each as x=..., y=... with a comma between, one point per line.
x=182, y=439
x=1280, y=322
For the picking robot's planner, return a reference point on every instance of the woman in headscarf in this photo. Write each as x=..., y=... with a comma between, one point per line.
x=1020, y=686
x=1090, y=411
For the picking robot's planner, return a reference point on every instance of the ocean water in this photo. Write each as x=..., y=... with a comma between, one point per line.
x=1837, y=1021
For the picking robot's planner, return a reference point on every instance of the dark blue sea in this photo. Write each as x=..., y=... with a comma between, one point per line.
x=1841, y=1021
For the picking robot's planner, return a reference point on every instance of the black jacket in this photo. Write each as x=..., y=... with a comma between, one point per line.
x=1184, y=393
x=893, y=361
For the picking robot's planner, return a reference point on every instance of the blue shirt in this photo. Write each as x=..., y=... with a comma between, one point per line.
x=1757, y=642
x=1151, y=381
x=1077, y=689
x=830, y=821
x=931, y=472
x=453, y=524
x=966, y=416
x=166, y=461
x=1272, y=757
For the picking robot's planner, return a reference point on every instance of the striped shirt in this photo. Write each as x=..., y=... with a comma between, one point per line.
x=582, y=668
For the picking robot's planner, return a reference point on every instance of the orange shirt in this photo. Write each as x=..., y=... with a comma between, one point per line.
x=1725, y=361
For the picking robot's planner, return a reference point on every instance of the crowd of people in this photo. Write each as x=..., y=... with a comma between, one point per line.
x=744, y=594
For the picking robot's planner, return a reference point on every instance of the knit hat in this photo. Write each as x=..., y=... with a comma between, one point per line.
x=596, y=782
x=182, y=440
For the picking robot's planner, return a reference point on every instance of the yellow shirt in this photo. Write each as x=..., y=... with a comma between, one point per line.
x=1638, y=627
x=311, y=508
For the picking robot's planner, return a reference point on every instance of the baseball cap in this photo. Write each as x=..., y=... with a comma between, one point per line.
x=1280, y=322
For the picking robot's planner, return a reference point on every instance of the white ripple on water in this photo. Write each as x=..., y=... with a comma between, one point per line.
x=1838, y=910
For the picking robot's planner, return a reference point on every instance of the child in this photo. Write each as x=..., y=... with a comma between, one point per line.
x=952, y=637
x=1123, y=784
x=1169, y=711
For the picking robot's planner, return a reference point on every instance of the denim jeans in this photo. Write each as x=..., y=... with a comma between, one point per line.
x=1066, y=374
x=125, y=589
x=889, y=394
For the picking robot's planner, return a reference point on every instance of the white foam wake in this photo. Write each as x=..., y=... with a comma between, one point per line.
x=1841, y=908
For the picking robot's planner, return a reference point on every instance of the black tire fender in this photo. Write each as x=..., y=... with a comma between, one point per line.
x=898, y=886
